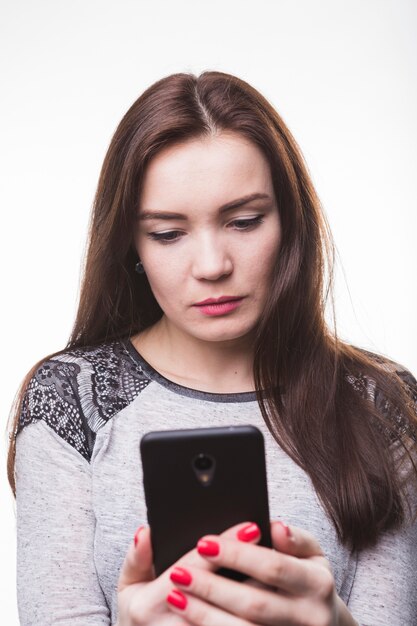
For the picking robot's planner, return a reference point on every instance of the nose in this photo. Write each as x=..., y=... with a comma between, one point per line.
x=212, y=259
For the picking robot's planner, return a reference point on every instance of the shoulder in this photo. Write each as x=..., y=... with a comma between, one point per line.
x=397, y=373
x=79, y=390
x=393, y=393
x=394, y=371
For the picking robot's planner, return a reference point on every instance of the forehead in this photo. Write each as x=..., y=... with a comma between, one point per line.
x=211, y=170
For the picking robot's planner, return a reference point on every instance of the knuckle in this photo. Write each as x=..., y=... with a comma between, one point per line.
x=275, y=573
x=255, y=607
x=208, y=589
x=325, y=584
x=199, y=614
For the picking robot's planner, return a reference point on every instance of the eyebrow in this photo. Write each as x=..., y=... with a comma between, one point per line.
x=229, y=206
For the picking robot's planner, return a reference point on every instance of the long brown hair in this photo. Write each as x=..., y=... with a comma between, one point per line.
x=338, y=411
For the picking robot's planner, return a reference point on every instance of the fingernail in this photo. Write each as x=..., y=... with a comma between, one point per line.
x=249, y=532
x=177, y=599
x=285, y=527
x=136, y=537
x=181, y=576
x=208, y=548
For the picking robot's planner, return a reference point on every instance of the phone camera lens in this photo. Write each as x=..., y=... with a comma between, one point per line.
x=203, y=462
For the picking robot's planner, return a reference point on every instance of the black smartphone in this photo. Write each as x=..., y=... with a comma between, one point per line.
x=202, y=481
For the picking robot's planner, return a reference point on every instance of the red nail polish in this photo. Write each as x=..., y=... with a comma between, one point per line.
x=136, y=537
x=286, y=528
x=208, y=548
x=177, y=599
x=249, y=532
x=181, y=576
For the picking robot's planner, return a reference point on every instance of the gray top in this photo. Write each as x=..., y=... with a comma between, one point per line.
x=80, y=496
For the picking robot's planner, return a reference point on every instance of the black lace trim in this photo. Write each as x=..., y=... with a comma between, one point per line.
x=367, y=388
x=77, y=392
x=402, y=424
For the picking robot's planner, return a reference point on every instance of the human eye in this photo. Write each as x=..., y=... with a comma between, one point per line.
x=166, y=237
x=246, y=223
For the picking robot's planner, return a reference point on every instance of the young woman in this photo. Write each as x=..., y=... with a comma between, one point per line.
x=203, y=304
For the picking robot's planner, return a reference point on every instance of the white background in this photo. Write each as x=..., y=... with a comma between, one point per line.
x=341, y=73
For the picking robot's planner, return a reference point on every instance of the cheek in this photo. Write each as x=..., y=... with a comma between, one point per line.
x=261, y=261
x=165, y=280
x=159, y=282
x=273, y=246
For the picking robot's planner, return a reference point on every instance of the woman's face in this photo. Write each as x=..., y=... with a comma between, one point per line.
x=202, y=238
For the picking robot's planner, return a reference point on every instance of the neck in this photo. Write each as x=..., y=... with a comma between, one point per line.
x=216, y=366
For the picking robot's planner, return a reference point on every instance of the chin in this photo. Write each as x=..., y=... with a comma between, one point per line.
x=223, y=335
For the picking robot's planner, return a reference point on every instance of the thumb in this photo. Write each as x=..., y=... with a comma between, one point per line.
x=138, y=564
x=294, y=541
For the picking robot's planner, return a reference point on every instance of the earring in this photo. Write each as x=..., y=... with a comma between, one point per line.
x=139, y=267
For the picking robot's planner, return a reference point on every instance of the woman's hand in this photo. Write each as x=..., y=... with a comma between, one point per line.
x=141, y=596
x=296, y=584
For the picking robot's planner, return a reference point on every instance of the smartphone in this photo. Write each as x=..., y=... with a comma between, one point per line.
x=202, y=481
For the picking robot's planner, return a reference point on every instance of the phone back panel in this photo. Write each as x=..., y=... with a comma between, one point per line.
x=182, y=508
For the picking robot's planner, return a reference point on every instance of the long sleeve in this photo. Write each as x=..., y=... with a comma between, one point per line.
x=56, y=576
x=67, y=401
x=385, y=586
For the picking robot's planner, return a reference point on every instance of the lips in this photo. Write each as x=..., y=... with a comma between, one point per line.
x=218, y=300
x=218, y=307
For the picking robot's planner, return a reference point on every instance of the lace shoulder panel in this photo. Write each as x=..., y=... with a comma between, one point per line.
x=367, y=387
x=77, y=392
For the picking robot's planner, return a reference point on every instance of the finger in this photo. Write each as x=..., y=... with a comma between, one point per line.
x=245, y=531
x=141, y=596
x=138, y=569
x=293, y=540
x=160, y=586
x=138, y=564
x=254, y=605
x=200, y=613
x=283, y=571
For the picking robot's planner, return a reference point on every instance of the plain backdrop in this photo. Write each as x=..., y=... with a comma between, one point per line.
x=341, y=73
